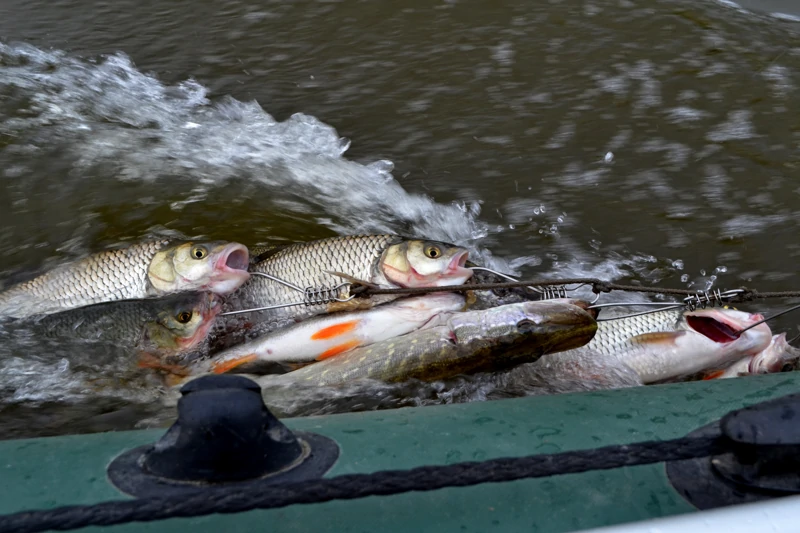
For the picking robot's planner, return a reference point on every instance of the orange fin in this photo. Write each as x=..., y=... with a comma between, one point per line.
x=148, y=360
x=657, y=337
x=230, y=364
x=335, y=330
x=713, y=375
x=336, y=350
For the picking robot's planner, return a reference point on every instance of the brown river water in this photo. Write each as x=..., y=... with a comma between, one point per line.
x=636, y=141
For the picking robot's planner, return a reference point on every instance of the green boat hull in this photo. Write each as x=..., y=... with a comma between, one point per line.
x=50, y=472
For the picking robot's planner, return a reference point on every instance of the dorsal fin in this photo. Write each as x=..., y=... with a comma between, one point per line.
x=261, y=253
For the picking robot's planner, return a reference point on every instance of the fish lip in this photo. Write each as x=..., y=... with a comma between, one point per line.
x=235, y=258
x=567, y=336
x=458, y=263
x=456, y=269
x=230, y=269
x=565, y=326
x=563, y=313
x=581, y=304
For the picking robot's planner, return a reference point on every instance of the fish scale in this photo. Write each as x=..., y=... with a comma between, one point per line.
x=386, y=261
x=472, y=341
x=117, y=322
x=611, y=334
x=304, y=265
x=121, y=323
x=110, y=275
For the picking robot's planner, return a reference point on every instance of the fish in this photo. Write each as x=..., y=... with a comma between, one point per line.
x=329, y=266
x=777, y=357
x=467, y=342
x=331, y=335
x=670, y=344
x=165, y=328
x=143, y=270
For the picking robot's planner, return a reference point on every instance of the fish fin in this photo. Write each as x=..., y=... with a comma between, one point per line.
x=657, y=337
x=335, y=330
x=228, y=365
x=352, y=279
x=356, y=304
x=297, y=365
x=265, y=252
x=336, y=350
x=148, y=360
x=713, y=375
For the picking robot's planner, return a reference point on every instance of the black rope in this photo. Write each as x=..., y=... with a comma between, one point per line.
x=233, y=499
x=598, y=286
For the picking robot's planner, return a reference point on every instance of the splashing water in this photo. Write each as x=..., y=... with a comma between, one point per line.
x=115, y=154
x=113, y=119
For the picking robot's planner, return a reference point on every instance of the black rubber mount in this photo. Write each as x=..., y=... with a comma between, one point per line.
x=764, y=462
x=224, y=435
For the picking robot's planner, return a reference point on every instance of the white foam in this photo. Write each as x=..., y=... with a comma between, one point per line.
x=108, y=113
x=785, y=17
x=737, y=127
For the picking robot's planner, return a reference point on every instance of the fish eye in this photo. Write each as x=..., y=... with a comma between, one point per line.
x=184, y=317
x=787, y=367
x=199, y=252
x=433, y=252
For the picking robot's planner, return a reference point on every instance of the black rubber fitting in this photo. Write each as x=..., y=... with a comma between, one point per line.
x=224, y=433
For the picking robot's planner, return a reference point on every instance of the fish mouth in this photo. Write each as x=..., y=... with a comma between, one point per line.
x=582, y=304
x=235, y=258
x=718, y=328
x=564, y=326
x=230, y=269
x=459, y=262
x=456, y=271
x=454, y=274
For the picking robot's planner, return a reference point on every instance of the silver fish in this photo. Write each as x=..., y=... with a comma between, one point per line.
x=670, y=344
x=473, y=341
x=141, y=270
x=387, y=261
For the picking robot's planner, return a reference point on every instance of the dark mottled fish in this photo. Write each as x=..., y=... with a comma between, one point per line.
x=474, y=341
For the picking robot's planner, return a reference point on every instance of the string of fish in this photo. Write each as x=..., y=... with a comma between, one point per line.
x=700, y=300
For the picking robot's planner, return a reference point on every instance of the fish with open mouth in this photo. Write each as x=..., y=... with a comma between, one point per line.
x=670, y=344
x=473, y=341
x=330, y=265
x=143, y=270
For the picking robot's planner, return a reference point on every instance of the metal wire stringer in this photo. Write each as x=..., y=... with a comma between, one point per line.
x=311, y=295
x=701, y=300
x=550, y=292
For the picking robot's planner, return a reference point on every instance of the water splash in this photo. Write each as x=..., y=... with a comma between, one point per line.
x=115, y=119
